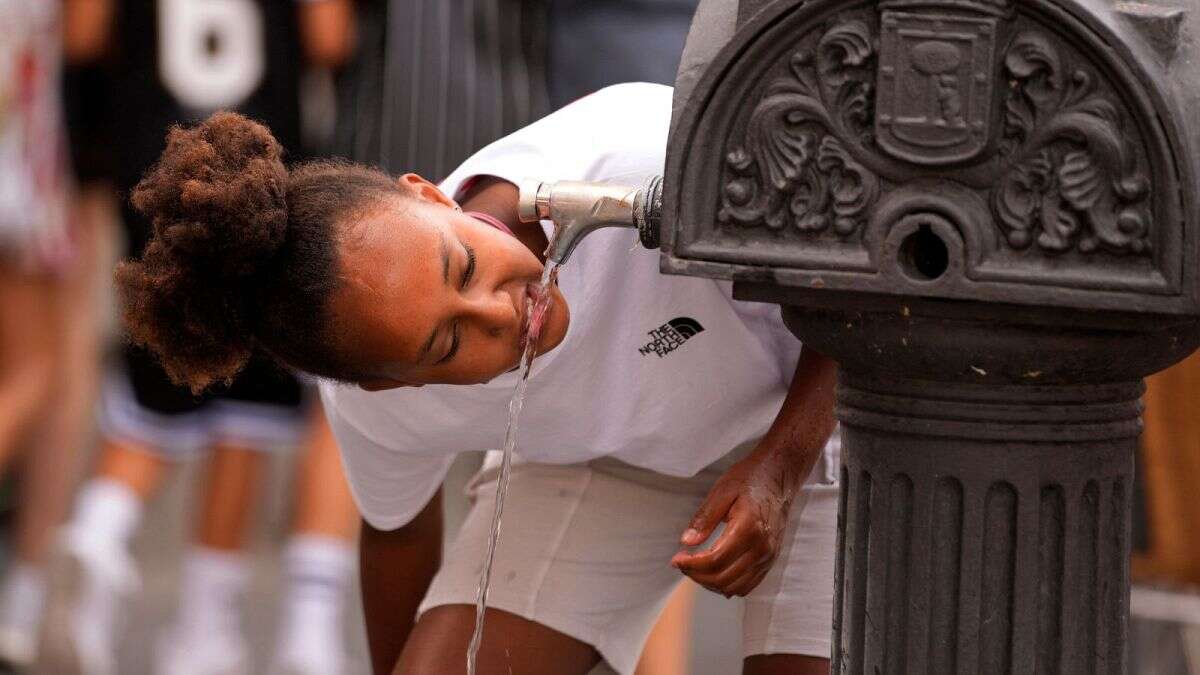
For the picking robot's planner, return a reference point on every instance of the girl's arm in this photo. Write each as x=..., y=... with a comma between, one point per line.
x=396, y=568
x=327, y=31
x=755, y=495
x=87, y=29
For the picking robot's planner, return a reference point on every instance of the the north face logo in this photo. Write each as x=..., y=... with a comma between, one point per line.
x=671, y=336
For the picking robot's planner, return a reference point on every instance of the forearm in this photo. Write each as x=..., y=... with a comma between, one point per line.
x=327, y=31
x=87, y=29
x=396, y=568
x=755, y=495
x=805, y=420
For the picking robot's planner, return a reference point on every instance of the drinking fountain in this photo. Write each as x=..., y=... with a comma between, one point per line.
x=985, y=211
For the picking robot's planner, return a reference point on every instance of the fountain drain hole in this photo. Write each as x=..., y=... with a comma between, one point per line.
x=923, y=254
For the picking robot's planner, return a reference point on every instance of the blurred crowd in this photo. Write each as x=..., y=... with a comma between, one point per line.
x=91, y=429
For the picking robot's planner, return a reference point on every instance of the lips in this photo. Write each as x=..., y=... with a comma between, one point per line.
x=534, y=323
x=527, y=299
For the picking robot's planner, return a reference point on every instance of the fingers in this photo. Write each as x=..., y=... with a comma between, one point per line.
x=720, y=581
x=716, y=505
x=742, y=586
x=739, y=559
x=733, y=542
x=739, y=579
x=747, y=530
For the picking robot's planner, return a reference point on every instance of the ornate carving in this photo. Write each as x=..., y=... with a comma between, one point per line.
x=1070, y=177
x=936, y=89
x=1073, y=180
x=792, y=167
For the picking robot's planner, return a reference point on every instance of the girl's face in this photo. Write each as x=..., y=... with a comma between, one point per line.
x=430, y=295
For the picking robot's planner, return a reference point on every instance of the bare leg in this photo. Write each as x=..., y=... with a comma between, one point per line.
x=785, y=664
x=26, y=357
x=323, y=502
x=51, y=462
x=438, y=644
x=68, y=320
x=230, y=493
x=28, y=347
x=666, y=651
x=135, y=466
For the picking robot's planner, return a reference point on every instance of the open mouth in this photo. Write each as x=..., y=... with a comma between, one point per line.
x=533, y=316
x=528, y=298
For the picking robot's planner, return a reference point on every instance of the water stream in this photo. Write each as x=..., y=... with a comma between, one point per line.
x=536, y=308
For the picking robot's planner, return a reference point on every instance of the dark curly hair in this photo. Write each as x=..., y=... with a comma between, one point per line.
x=243, y=253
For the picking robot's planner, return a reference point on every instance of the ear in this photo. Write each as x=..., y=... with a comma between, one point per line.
x=383, y=384
x=424, y=190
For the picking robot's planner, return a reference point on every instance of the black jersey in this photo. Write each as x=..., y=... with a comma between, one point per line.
x=178, y=61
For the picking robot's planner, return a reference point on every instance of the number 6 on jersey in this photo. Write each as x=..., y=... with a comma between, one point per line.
x=211, y=51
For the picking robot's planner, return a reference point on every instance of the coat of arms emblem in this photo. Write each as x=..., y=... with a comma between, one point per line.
x=937, y=69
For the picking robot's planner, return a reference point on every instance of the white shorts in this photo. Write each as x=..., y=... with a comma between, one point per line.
x=585, y=550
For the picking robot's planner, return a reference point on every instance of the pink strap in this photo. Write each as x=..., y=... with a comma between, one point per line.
x=485, y=218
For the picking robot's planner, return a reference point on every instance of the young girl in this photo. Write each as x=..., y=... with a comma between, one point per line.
x=659, y=407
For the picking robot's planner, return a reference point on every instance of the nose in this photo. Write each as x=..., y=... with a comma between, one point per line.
x=493, y=311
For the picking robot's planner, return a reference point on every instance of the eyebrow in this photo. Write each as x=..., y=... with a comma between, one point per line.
x=444, y=245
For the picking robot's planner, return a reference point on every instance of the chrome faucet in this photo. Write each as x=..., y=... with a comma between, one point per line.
x=579, y=208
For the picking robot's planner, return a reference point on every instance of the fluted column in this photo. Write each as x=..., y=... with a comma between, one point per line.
x=984, y=529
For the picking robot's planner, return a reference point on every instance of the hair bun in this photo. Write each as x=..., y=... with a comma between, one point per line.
x=217, y=203
x=217, y=197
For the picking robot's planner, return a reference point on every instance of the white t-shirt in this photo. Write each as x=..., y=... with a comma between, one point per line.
x=667, y=373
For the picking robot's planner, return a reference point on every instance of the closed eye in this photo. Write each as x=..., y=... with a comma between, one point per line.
x=470, y=269
x=454, y=342
x=468, y=273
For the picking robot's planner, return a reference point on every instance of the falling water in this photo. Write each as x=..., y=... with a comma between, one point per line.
x=536, y=312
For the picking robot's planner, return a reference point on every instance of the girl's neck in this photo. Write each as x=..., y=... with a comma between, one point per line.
x=497, y=198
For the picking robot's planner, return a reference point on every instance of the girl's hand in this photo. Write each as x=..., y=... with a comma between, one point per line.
x=753, y=499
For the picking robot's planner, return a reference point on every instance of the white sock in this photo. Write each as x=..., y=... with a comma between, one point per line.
x=318, y=570
x=210, y=593
x=23, y=598
x=107, y=509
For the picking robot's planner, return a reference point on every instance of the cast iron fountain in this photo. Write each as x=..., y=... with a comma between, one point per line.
x=984, y=210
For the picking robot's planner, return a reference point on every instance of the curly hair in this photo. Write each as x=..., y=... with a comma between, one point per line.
x=242, y=256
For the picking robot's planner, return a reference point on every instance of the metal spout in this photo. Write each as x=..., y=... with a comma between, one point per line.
x=579, y=208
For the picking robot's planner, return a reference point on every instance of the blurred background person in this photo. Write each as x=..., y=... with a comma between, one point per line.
x=49, y=237
x=163, y=63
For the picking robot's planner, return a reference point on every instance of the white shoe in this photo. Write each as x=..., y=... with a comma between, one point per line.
x=316, y=652
x=94, y=578
x=212, y=653
x=312, y=664
x=18, y=648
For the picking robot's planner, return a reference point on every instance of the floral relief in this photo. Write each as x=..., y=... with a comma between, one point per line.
x=1074, y=181
x=1069, y=176
x=792, y=169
